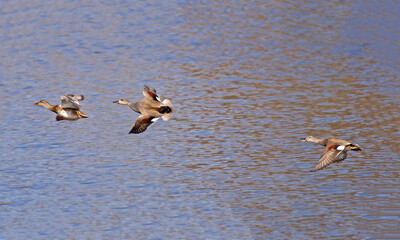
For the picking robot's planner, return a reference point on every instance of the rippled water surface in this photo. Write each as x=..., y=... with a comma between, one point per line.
x=247, y=80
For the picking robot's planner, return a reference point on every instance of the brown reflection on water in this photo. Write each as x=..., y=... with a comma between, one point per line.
x=265, y=76
x=247, y=80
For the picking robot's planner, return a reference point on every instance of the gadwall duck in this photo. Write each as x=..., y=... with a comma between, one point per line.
x=151, y=109
x=68, y=109
x=335, y=150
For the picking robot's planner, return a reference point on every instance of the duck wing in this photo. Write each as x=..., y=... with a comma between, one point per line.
x=71, y=101
x=142, y=123
x=329, y=156
x=150, y=93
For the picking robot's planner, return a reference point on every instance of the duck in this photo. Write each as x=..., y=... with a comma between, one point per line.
x=68, y=109
x=335, y=150
x=151, y=108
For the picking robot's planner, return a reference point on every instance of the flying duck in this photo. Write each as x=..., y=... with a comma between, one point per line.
x=151, y=108
x=68, y=109
x=335, y=150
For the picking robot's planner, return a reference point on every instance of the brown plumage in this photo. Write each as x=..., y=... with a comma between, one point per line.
x=68, y=109
x=150, y=107
x=335, y=150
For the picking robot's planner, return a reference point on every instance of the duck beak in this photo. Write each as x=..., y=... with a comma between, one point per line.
x=116, y=101
x=36, y=104
x=303, y=139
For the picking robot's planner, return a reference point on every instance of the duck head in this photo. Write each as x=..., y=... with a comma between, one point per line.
x=43, y=103
x=309, y=139
x=122, y=101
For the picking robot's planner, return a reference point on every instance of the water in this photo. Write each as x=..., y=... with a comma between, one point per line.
x=247, y=80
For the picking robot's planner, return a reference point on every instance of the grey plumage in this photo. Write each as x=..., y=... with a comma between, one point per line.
x=150, y=108
x=335, y=150
x=68, y=109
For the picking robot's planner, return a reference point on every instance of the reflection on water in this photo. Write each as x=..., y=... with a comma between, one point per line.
x=247, y=80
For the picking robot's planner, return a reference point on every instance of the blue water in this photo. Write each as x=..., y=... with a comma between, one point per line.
x=247, y=80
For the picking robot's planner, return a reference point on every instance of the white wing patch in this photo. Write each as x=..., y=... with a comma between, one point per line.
x=63, y=113
x=154, y=119
x=340, y=148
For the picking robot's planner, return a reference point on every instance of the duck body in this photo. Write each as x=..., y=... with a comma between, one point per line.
x=69, y=108
x=335, y=150
x=151, y=109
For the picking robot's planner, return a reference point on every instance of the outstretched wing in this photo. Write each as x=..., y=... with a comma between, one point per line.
x=71, y=101
x=142, y=123
x=329, y=156
x=76, y=97
x=150, y=93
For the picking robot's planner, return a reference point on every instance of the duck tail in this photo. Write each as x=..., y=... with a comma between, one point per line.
x=81, y=114
x=167, y=109
x=355, y=147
